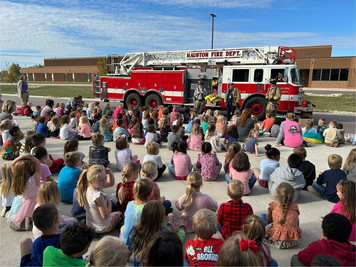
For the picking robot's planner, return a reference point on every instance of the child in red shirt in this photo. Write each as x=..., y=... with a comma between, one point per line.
x=204, y=249
x=267, y=123
x=232, y=214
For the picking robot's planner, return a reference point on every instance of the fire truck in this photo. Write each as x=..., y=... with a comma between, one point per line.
x=170, y=77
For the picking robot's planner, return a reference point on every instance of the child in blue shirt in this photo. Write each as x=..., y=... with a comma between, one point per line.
x=42, y=128
x=252, y=143
x=45, y=218
x=331, y=178
x=69, y=175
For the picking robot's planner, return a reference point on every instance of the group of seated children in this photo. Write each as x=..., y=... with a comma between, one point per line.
x=139, y=207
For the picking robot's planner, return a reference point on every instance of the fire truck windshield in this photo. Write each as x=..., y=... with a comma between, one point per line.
x=295, y=76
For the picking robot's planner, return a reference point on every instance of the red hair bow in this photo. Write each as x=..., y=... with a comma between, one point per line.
x=244, y=244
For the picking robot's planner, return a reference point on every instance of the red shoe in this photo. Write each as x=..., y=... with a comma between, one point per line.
x=336, y=144
x=331, y=144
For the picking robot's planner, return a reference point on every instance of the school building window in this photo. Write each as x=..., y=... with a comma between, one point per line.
x=330, y=74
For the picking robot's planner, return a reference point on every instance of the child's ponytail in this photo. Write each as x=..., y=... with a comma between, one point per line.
x=285, y=197
x=194, y=180
x=6, y=182
x=129, y=170
x=348, y=189
x=82, y=186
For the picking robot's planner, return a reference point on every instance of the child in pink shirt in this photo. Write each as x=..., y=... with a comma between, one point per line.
x=208, y=164
x=181, y=164
x=241, y=170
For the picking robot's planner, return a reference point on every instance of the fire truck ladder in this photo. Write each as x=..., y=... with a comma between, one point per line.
x=234, y=56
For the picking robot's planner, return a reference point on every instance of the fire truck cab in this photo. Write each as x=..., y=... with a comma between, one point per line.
x=170, y=78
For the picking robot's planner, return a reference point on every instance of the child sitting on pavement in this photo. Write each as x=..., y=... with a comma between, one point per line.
x=330, y=178
x=336, y=230
x=204, y=249
x=98, y=153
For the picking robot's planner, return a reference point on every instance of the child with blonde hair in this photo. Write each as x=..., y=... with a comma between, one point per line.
x=7, y=195
x=26, y=171
x=234, y=148
x=221, y=126
x=109, y=251
x=204, y=248
x=142, y=192
x=254, y=229
x=208, y=164
x=235, y=118
x=251, y=143
x=350, y=166
x=97, y=204
x=66, y=131
x=152, y=150
x=123, y=153
x=216, y=115
x=192, y=201
x=330, y=178
x=48, y=193
x=149, y=171
x=239, y=251
x=232, y=214
x=84, y=128
x=104, y=130
x=54, y=128
x=282, y=219
x=213, y=139
x=60, y=109
x=4, y=129
x=124, y=190
x=195, y=138
x=164, y=127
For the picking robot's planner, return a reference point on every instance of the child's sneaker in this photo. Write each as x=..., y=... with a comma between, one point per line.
x=172, y=221
x=331, y=144
x=312, y=190
x=336, y=145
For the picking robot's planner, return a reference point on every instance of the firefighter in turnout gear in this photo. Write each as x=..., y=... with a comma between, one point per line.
x=273, y=96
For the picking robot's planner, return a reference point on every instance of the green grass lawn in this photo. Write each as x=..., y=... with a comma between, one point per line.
x=55, y=91
x=339, y=103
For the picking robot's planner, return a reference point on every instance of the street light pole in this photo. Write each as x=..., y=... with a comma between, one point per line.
x=212, y=29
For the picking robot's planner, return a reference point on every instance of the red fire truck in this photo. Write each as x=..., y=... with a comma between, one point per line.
x=170, y=78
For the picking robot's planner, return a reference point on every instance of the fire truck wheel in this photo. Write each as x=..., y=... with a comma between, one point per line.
x=133, y=99
x=258, y=107
x=153, y=101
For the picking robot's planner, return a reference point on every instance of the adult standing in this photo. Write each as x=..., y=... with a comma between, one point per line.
x=48, y=108
x=73, y=103
x=22, y=89
x=245, y=124
x=232, y=99
x=273, y=96
x=290, y=132
x=199, y=94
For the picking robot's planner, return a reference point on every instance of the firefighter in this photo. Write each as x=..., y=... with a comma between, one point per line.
x=273, y=96
x=232, y=99
x=199, y=94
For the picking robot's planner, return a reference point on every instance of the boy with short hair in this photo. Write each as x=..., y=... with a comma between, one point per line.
x=45, y=218
x=267, y=123
x=321, y=127
x=204, y=249
x=330, y=178
x=98, y=153
x=69, y=175
x=331, y=135
x=232, y=214
x=42, y=128
x=53, y=164
x=12, y=145
x=336, y=230
x=75, y=241
x=307, y=168
x=120, y=130
x=289, y=174
x=173, y=137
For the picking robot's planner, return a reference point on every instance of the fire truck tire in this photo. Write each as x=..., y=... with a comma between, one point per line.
x=258, y=107
x=133, y=99
x=153, y=101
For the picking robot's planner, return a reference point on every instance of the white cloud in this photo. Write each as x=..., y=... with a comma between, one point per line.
x=36, y=30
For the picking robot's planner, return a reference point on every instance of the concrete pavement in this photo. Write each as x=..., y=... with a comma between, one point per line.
x=311, y=207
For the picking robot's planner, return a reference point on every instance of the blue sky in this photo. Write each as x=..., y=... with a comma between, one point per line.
x=33, y=30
